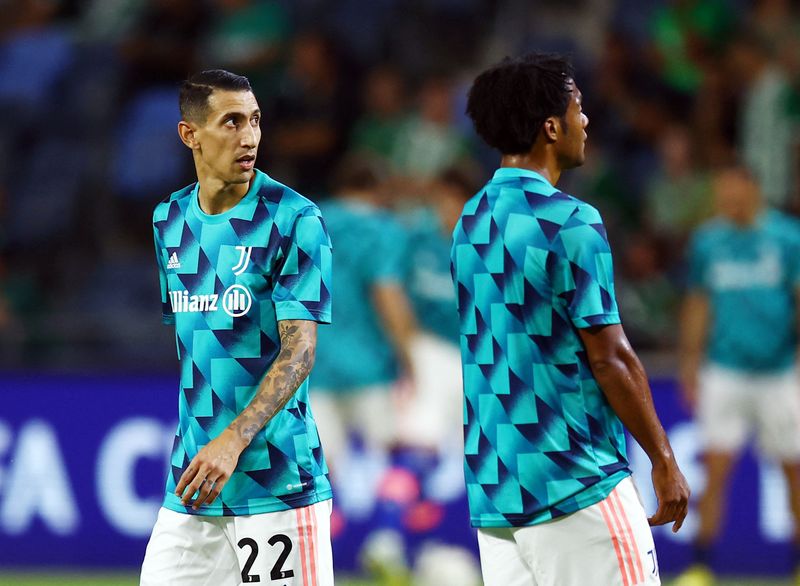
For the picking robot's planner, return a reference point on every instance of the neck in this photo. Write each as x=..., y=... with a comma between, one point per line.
x=216, y=196
x=534, y=161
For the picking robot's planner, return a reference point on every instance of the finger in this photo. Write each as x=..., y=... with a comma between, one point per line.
x=193, y=487
x=187, y=476
x=215, y=491
x=681, y=516
x=659, y=518
x=205, y=489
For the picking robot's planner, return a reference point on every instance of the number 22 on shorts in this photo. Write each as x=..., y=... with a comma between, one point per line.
x=278, y=572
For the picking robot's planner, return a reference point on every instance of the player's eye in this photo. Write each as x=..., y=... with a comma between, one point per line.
x=256, y=120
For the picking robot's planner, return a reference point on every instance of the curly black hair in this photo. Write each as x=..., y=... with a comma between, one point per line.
x=509, y=102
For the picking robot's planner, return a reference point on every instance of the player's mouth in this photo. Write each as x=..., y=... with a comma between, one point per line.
x=246, y=162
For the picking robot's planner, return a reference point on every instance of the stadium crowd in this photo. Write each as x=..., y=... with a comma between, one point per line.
x=88, y=144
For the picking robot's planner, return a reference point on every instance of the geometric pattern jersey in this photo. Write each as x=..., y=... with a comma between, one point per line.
x=355, y=351
x=751, y=276
x=226, y=280
x=530, y=266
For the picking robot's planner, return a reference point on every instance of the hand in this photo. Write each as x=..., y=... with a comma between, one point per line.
x=672, y=493
x=209, y=470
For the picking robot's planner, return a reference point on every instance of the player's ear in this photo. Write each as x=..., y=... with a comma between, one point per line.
x=551, y=128
x=187, y=133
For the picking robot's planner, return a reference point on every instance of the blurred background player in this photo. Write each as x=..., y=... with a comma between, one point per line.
x=361, y=360
x=432, y=418
x=549, y=376
x=738, y=348
x=244, y=266
x=364, y=366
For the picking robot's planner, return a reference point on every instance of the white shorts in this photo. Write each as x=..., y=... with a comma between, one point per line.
x=368, y=411
x=292, y=546
x=435, y=415
x=733, y=405
x=608, y=544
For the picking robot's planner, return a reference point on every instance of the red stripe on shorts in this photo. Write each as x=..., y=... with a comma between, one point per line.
x=637, y=558
x=312, y=532
x=614, y=540
x=625, y=545
x=302, y=539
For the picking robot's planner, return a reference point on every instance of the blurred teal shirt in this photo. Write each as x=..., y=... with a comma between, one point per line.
x=355, y=352
x=430, y=285
x=750, y=276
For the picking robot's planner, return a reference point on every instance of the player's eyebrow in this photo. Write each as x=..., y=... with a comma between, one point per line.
x=239, y=114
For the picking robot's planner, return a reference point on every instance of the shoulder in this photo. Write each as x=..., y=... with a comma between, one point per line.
x=707, y=237
x=162, y=209
x=786, y=224
x=286, y=203
x=709, y=230
x=582, y=213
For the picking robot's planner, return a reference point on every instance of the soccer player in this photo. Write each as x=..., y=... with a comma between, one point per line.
x=738, y=348
x=362, y=358
x=549, y=376
x=428, y=420
x=245, y=269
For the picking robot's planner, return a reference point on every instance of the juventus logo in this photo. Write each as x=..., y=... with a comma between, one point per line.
x=244, y=259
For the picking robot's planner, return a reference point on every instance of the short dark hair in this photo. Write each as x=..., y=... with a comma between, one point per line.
x=358, y=172
x=509, y=102
x=196, y=90
x=462, y=178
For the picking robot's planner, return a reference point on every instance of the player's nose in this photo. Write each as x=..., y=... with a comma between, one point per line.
x=248, y=136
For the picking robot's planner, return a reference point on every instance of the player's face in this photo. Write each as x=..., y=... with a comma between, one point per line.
x=228, y=141
x=736, y=197
x=572, y=143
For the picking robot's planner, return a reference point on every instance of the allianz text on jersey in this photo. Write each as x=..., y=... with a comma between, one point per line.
x=236, y=301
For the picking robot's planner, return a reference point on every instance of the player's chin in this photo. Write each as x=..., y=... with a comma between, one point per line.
x=576, y=161
x=243, y=176
x=580, y=159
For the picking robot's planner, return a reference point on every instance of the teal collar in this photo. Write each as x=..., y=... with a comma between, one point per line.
x=514, y=172
x=252, y=194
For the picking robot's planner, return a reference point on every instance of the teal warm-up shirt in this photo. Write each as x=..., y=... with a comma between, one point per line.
x=430, y=286
x=355, y=351
x=531, y=266
x=751, y=276
x=226, y=280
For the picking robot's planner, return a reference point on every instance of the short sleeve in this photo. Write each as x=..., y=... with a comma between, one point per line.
x=167, y=315
x=581, y=270
x=387, y=261
x=303, y=284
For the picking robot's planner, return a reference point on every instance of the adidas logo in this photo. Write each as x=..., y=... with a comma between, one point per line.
x=173, y=262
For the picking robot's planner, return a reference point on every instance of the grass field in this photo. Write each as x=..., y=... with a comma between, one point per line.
x=75, y=579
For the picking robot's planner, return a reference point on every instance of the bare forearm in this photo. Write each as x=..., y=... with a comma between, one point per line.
x=397, y=318
x=694, y=325
x=290, y=369
x=624, y=383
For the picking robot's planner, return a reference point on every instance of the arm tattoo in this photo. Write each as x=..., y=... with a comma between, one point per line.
x=288, y=371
